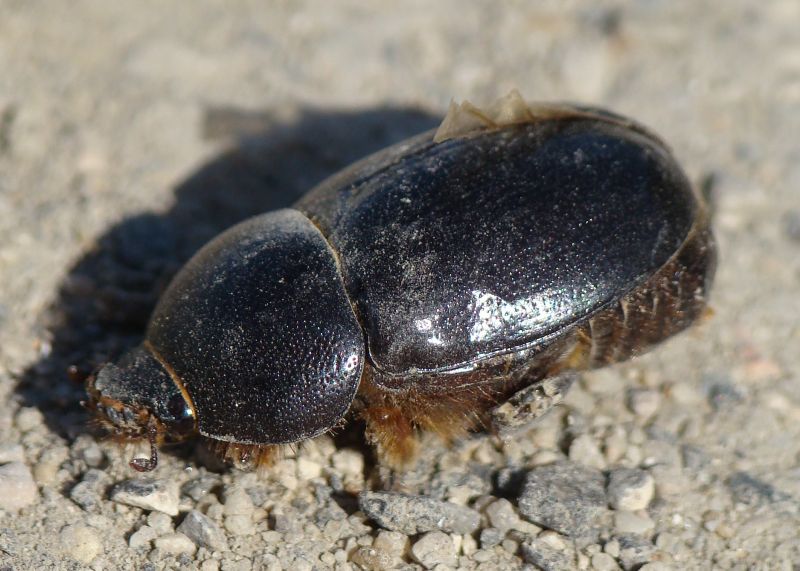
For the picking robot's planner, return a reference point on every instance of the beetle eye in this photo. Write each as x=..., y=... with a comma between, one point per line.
x=181, y=417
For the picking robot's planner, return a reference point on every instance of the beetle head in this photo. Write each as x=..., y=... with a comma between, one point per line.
x=136, y=399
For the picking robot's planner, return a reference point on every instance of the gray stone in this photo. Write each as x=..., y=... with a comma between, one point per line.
x=17, y=487
x=694, y=458
x=434, y=548
x=81, y=542
x=491, y=537
x=203, y=531
x=747, y=489
x=634, y=550
x=544, y=556
x=565, y=497
x=9, y=544
x=331, y=512
x=411, y=514
x=723, y=394
x=148, y=494
x=630, y=489
x=88, y=493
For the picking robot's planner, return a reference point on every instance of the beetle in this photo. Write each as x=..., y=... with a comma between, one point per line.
x=456, y=280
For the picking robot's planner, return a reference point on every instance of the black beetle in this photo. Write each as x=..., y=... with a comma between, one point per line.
x=453, y=280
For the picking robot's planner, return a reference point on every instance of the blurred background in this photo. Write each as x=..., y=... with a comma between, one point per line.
x=132, y=132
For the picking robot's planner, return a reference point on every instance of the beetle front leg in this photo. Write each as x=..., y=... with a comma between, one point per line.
x=529, y=403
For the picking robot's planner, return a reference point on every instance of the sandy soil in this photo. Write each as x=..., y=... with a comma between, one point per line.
x=132, y=132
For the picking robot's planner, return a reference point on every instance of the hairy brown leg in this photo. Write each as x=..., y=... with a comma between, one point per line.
x=395, y=418
x=391, y=432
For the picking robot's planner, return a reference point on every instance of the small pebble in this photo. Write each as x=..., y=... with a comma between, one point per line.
x=543, y=457
x=161, y=522
x=392, y=542
x=372, y=559
x=671, y=481
x=791, y=225
x=199, y=487
x=585, y=450
x=239, y=512
x=88, y=493
x=203, y=532
x=28, y=418
x=604, y=562
x=175, y=543
x=644, y=403
x=308, y=469
x=565, y=497
x=612, y=548
x=615, y=444
x=629, y=522
x=553, y=539
x=11, y=453
x=238, y=502
x=656, y=566
x=491, y=537
x=215, y=511
x=434, y=548
x=81, y=543
x=630, y=489
x=17, y=487
x=348, y=462
x=662, y=452
x=510, y=546
x=412, y=514
x=9, y=542
x=240, y=525
x=634, y=550
x=747, y=489
x=148, y=494
x=46, y=469
x=468, y=545
x=502, y=515
x=93, y=455
x=142, y=537
x=543, y=555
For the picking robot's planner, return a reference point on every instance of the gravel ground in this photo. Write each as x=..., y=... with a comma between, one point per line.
x=131, y=132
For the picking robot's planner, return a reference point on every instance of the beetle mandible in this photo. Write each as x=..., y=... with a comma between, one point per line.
x=456, y=280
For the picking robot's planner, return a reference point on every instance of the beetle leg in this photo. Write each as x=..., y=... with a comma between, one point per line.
x=148, y=464
x=529, y=403
x=391, y=432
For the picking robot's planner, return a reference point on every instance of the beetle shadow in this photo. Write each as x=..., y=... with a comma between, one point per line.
x=102, y=306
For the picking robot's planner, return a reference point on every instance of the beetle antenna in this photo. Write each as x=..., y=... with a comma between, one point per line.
x=148, y=464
